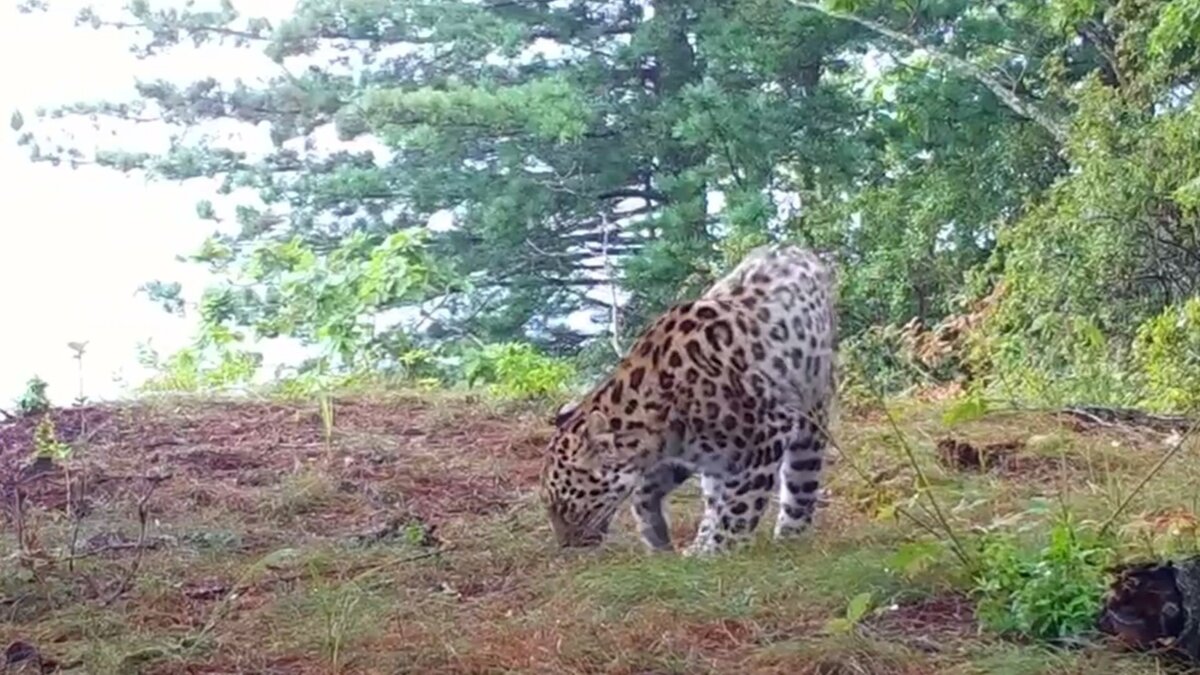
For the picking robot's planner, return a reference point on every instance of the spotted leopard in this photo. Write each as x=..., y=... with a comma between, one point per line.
x=736, y=386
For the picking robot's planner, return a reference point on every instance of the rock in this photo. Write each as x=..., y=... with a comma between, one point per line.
x=1155, y=606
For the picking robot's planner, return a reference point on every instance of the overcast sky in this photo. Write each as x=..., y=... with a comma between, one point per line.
x=76, y=244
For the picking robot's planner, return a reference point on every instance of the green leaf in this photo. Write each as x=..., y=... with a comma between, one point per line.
x=858, y=607
x=914, y=557
x=968, y=409
x=838, y=626
x=1188, y=194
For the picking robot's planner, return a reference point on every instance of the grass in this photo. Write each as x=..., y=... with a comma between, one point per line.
x=407, y=538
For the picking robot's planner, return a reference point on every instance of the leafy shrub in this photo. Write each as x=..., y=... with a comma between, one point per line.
x=196, y=369
x=34, y=400
x=872, y=363
x=46, y=443
x=1060, y=359
x=1049, y=593
x=517, y=370
x=312, y=379
x=1167, y=353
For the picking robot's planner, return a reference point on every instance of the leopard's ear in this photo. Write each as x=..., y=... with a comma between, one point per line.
x=597, y=425
x=563, y=413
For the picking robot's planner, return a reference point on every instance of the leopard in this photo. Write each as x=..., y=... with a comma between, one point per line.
x=736, y=386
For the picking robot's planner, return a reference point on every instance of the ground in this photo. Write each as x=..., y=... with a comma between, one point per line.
x=236, y=537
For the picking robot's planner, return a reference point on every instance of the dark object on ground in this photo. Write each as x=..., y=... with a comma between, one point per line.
x=1155, y=606
x=40, y=465
x=22, y=657
x=962, y=455
x=413, y=530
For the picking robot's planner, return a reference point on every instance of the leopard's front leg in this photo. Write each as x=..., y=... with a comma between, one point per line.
x=648, y=504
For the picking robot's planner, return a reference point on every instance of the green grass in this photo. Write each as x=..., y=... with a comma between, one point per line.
x=766, y=575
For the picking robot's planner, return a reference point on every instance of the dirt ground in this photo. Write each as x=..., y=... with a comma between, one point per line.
x=235, y=537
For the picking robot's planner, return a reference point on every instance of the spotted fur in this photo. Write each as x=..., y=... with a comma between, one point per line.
x=736, y=386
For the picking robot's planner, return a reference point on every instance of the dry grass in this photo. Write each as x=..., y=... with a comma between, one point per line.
x=414, y=544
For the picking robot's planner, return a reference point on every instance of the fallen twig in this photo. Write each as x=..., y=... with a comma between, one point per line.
x=117, y=546
x=104, y=478
x=1128, y=417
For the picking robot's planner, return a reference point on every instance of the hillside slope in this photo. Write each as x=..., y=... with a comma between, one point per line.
x=222, y=537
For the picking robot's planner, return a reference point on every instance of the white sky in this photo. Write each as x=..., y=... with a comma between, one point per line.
x=76, y=244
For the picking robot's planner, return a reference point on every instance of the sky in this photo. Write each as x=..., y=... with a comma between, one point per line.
x=76, y=244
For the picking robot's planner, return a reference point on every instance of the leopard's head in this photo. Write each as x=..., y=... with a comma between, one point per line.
x=588, y=471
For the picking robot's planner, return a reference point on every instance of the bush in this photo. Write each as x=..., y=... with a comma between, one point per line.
x=517, y=370
x=1060, y=359
x=46, y=443
x=195, y=369
x=1167, y=353
x=872, y=363
x=33, y=400
x=1051, y=593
